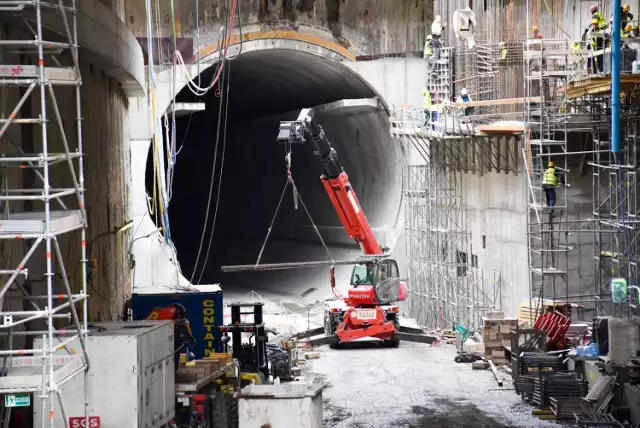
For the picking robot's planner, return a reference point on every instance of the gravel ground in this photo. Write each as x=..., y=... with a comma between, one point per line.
x=413, y=386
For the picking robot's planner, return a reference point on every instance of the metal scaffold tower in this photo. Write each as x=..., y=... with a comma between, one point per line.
x=39, y=306
x=615, y=204
x=546, y=105
x=447, y=288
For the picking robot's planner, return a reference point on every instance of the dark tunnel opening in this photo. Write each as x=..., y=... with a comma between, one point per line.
x=266, y=87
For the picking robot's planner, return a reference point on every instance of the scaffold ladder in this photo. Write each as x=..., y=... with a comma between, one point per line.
x=546, y=71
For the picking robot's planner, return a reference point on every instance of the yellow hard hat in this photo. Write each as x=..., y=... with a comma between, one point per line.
x=628, y=27
x=594, y=21
x=534, y=28
x=552, y=164
x=627, y=7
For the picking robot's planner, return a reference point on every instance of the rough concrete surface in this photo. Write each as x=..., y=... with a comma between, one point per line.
x=413, y=386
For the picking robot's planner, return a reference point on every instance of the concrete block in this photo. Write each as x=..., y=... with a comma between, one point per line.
x=493, y=344
x=312, y=355
x=479, y=365
x=499, y=361
x=506, y=343
x=497, y=353
x=505, y=329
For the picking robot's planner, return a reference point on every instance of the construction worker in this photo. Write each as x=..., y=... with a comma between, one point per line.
x=436, y=27
x=536, y=33
x=551, y=180
x=427, y=99
x=576, y=55
x=465, y=98
x=428, y=47
x=626, y=16
x=503, y=52
x=597, y=15
x=596, y=38
x=626, y=31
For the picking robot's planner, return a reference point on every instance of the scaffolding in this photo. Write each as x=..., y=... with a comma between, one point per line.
x=615, y=205
x=546, y=106
x=50, y=314
x=446, y=286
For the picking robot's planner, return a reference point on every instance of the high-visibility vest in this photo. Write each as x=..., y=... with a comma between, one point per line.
x=602, y=23
x=428, y=50
x=427, y=100
x=503, y=54
x=550, y=177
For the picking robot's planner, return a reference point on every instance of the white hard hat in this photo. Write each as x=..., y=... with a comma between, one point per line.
x=464, y=91
x=502, y=44
x=429, y=37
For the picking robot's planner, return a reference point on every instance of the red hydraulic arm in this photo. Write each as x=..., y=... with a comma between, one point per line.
x=334, y=179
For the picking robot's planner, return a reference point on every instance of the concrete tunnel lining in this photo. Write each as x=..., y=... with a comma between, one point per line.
x=254, y=171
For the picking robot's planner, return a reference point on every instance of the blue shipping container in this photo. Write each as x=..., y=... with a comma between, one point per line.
x=204, y=311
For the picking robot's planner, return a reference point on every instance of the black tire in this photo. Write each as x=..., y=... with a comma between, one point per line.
x=335, y=345
x=231, y=405
x=394, y=343
x=219, y=411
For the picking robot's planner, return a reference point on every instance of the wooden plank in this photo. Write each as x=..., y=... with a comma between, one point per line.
x=495, y=373
x=196, y=384
x=498, y=102
x=501, y=129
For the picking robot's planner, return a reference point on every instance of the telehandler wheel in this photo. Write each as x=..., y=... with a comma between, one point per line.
x=335, y=345
x=394, y=343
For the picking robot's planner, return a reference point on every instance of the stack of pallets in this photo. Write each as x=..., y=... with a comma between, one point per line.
x=496, y=334
x=191, y=376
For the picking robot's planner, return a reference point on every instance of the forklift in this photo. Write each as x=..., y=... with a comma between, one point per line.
x=251, y=354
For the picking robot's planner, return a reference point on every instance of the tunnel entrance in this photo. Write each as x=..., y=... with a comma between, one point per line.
x=265, y=87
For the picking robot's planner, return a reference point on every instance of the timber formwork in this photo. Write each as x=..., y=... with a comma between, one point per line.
x=39, y=211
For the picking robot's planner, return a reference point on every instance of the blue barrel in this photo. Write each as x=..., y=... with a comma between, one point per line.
x=204, y=311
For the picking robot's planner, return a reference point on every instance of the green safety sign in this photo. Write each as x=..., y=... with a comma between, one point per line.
x=17, y=400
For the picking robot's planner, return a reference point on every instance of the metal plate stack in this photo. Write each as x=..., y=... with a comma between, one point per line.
x=539, y=360
x=558, y=386
x=565, y=407
x=523, y=384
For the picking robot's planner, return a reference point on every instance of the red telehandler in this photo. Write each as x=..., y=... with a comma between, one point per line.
x=375, y=280
x=370, y=310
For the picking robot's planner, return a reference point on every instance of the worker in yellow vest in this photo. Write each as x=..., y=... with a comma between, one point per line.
x=550, y=180
x=597, y=15
x=427, y=97
x=503, y=53
x=428, y=47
